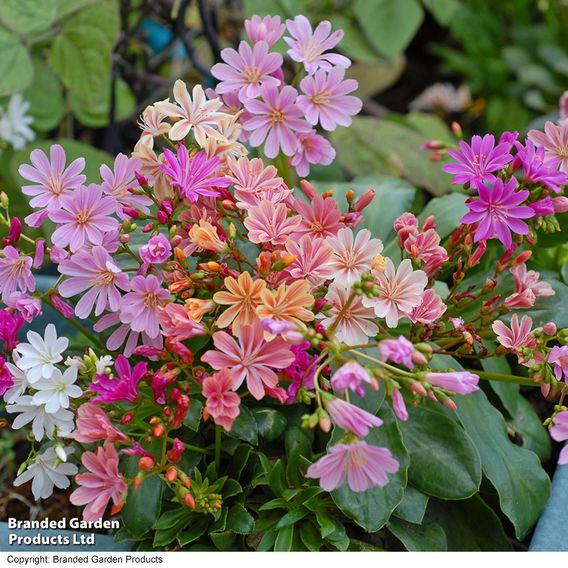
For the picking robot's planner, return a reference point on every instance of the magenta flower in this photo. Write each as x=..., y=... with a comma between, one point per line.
x=398, y=351
x=350, y=417
x=308, y=47
x=517, y=336
x=559, y=432
x=193, y=178
x=326, y=98
x=269, y=223
x=157, y=250
x=537, y=168
x=96, y=273
x=252, y=358
x=429, y=310
x=15, y=273
x=277, y=119
x=301, y=371
x=460, y=382
x=94, y=425
x=222, y=403
x=52, y=179
x=10, y=325
x=268, y=29
x=559, y=358
x=360, y=464
x=498, y=211
x=124, y=387
x=476, y=163
x=312, y=149
x=246, y=70
x=351, y=376
x=6, y=379
x=84, y=217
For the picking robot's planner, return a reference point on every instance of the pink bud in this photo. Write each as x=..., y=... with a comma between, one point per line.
x=449, y=403
x=308, y=189
x=398, y=405
x=429, y=223
x=417, y=388
x=365, y=199
x=141, y=179
x=62, y=307
x=131, y=212
x=523, y=257
x=147, y=228
x=124, y=239
x=549, y=328
x=545, y=389
x=147, y=351
x=419, y=358
x=560, y=204
x=39, y=253
x=167, y=206
x=15, y=230
x=162, y=217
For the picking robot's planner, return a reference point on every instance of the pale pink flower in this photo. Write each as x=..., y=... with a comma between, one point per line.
x=350, y=417
x=517, y=336
x=247, y=70
x=351, y=375
x=84, y=217
x=399, y=406
x=398, y=351
x=430, y=309
x=320, y=217
x=308, y=46
x=313, y=257
x=152, y=170
x=156, y=251
x=353, y=255
x=363, y=466
x=15, y=273
x=356, y=323
x=221, y=401
x=27, y=306
x=460, y=382
x=176, y=323
x=276, y=120
x=312, y=149
x=94, y=425
x=52, y=179
x=96, y=277
x=102, y=483
x=252, y=358
x=269, y=223
x=400, y=291
x=326, y=100
x=559, y=358
x=152, y=124
x=528, y=287
x=555, y=142
x=195, y=113
x=425, y=247
x=268, y=29
x=559, y=432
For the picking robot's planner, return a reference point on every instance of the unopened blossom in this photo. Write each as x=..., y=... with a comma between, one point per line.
x=177, y=324
x=39, y=357
x=309, y=47
x=558, y=357
x=313, y=257
x=247, y=69
x=287, y=303
x=398, y=351
x=268, y=29
x=398, y=405
x=353, y=324
x=84, y=217
x=554, y=139
x=276, y=120
x=46, y=472
x=221, y=402
x=57, y=391
x=320, y=217
x=498, y=211
x=404, y=226
x=400, y=290
x=351, y=376
x=94, y=425
x=10, y=325
x=50, y=177
x=350, y=417
x=124, y=386
x=97, y=278
x=156, y=251
x=27, y=306
x=101, y=484
x=251, y=358
x=326, y=98
x=312, y=149
x=352, y=255
x=460, y=382
x=194, y=112
x=301, y=370
x=543, y=207
x=269, y=223
x=15, y=122
x=559, y=432
x=15, y=273
x=360, y=464
x=528, y=287
x=476, y=163
x=430, y=309
x=537, y=168
x=243, y=296
x=517, y=336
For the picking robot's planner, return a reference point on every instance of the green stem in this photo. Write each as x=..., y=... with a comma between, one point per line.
x=284, y=170
x=501, y=377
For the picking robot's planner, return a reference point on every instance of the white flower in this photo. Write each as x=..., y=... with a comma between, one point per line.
x=55, y=392
x=76, y=362
x=39, y=356
x=102, y=363
x=47, y=470
x=43, y=423
x=20, y=382
x=14, y=122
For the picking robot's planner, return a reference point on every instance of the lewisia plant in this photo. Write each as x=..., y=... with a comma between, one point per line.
x=229, y=310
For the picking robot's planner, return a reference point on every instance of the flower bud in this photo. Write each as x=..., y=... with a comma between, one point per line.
x=364, y=200
x=158, y=431
x=140, y=178
x=308, y=189
x=549, y=328
x=417, y=388
x=189, y=500
x=171, y=474
x=146, y=463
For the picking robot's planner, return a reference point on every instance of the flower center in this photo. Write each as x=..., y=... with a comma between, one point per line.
x=150, y=300
x=55, y=184
x=82, y=217
x=322, y=98
x=18, y=268
x=311, y=50
x=253, y=74
x=104, y=278
x=277, y=116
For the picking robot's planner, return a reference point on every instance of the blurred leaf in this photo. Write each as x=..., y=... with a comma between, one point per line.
x=16, y=67
x=551, y=308
x=448, y=210
x=27, y=17
x=428, y=537
x=430, y=126
x=443, y=10
x=377, y=76
x=554, y=56
x=284, y=539
x=354, y=43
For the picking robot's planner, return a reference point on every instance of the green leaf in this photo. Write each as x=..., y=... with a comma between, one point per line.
x=143, y=505
x=443, y=460
x=193, y=416
x=240, y=459
x=16, y=67
x=291, y=518
x=443, y=10
x=469, y=525
x=389, y=25
x=173, y=518
x=430, y=126
x=551, y=308
x=310, y=537
x=413, y=506
x=224, y=541
x=377, y=76
x=354, y=43
x=284, y=539
x=196, y=529
x=428, y=537
x=27, y=17
x=245, y=427
x=448, y=210
x=267, y=541
x=298, y=444
x=271, y=423
x=239, y=520
x=371, y=509
x=276, y=478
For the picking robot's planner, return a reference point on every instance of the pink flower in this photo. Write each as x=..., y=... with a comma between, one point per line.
x=429, y=310
x=528, y=287
x=312, y=149
x=276, y=119
x=320, y=217
x=193, y=178
x=558, y=356
x=122, y=388
x=559, y=432
x=10, y=325
x=425, y=247
x=554, y=139
x=102, y=483
x=351, y=375
x=350, y=417
x=399, y=291
x=517, y=336
x=177, y=324
x=52, y=179
x=285, y=329
x=221, y=402
x=537, y=168
x=326, y=99
x=157, y=250
x=398, y=351
x=94, y=425
x=252, y=358
x=15, y=273
x=96, y=273
x=268, y=29
x=27, y=306
x=399, y=406
x=269, y=223
x=84, y=217
x=313, y=257
x=141, y=306
x=308, y=47
x=353, y=255
x=356, y=323
x=247, y=70
x=360, y=464
x=6, y=380
x=460, y=382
